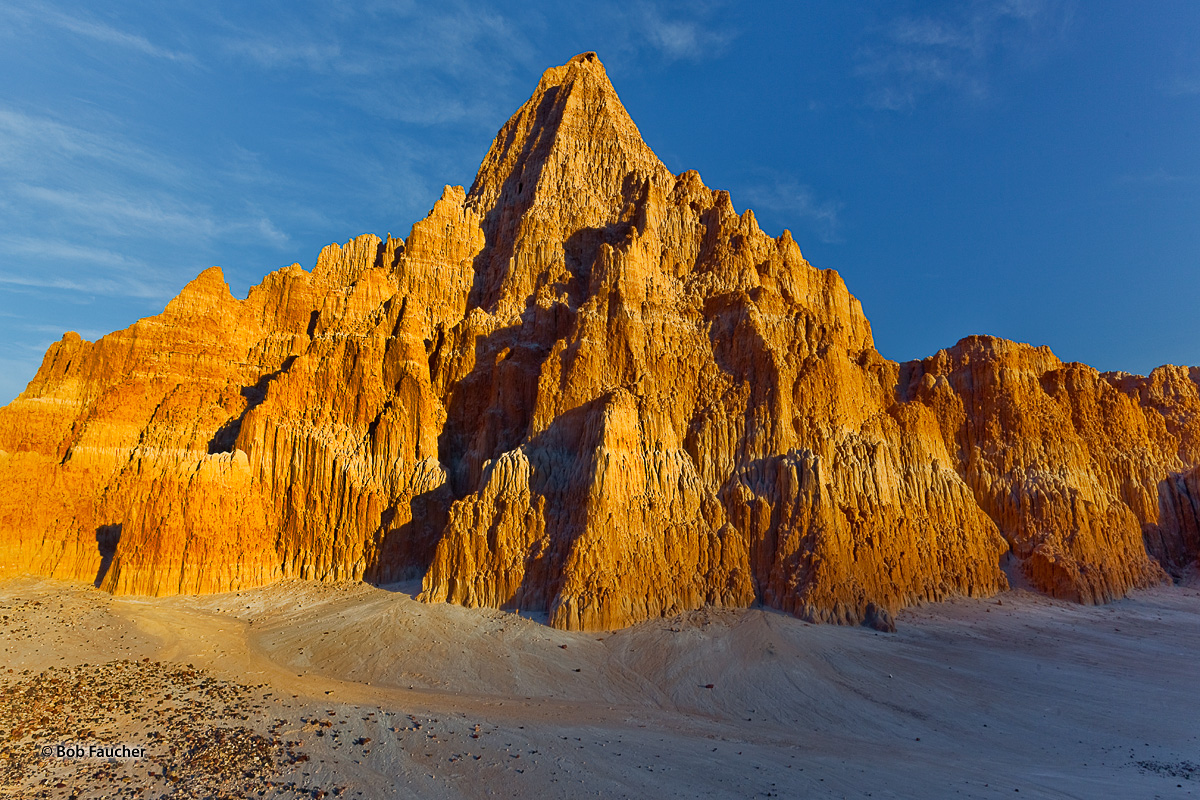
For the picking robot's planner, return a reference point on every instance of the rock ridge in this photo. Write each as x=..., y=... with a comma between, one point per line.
x=590, y=387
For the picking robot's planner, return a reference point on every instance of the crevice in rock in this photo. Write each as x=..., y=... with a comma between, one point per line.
x=223, y=440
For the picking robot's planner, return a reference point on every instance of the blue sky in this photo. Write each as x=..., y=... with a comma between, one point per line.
x=1023, y=168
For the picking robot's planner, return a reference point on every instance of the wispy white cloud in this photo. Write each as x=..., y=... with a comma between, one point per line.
x=260, y=227
x=1155, y=177
x=663, y=31
x=148, y=212
x=54, y=249
x=456, y=63
x=107, y=34
x=934, y=33
x=465, y=41
x=273, y=52
x=77, y=202
x=89, y=27
x=432, y=102
x=77, y=266
x=795, y=201
x=1182, y=86
x=909, y=58
x=903, y=75
x=30, y=144
x=106, y=184
x=96, y=285
x=687, y=35
x=414, y=64
x=118, y=214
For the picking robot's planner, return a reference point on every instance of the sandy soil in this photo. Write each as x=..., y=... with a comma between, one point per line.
x=310, y=690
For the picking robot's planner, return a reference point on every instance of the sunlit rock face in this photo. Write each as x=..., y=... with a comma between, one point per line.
x=589, y=387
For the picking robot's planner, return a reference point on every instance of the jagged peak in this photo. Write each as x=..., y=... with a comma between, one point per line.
x=571, y=158
x=340, y=265
x=208, y=284
x=573, y=134
x=589, y=61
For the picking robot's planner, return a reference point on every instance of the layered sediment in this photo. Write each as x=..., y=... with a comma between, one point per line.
x=590, y=387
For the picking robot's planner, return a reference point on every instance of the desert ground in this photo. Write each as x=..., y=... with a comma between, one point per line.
x=357, y=691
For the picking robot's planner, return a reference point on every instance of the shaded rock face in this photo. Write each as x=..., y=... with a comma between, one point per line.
x=588, y=387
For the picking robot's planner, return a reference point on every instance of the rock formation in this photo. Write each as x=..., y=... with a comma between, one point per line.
x=591, y=387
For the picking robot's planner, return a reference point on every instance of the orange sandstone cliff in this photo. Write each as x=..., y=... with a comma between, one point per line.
x=587, y=386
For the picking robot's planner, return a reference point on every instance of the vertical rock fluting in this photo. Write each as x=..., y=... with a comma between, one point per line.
x=590, y=387
x=643, y=400
x=1086, y=474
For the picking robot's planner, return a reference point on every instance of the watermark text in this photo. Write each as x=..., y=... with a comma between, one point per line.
x=118, y=751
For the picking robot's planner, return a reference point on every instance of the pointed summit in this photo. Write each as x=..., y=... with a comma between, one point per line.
x=572, y=140
x=570, y=159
